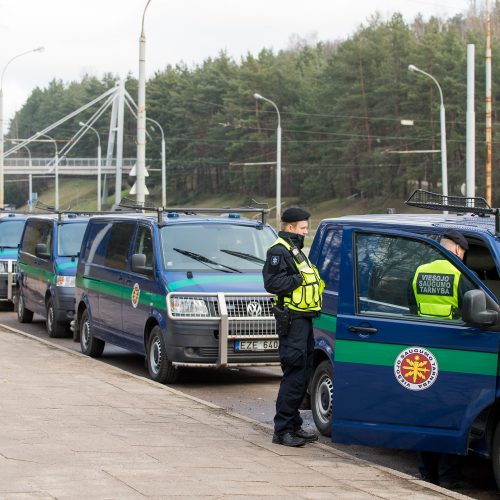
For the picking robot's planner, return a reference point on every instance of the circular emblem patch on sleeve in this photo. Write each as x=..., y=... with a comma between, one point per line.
x=275, y=260
x=416, y=368
x=136, y=293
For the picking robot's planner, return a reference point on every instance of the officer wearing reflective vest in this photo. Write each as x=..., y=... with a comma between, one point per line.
x=298, y=287
x=438, y=287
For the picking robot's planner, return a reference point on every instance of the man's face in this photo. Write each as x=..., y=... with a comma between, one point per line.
x=301, y=228
x=459, y=252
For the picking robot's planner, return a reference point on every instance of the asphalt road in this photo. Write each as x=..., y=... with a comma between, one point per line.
x=252, y=392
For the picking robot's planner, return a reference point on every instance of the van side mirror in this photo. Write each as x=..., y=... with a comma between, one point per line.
x=41, y=251
x=474, y=309
x=138, y=264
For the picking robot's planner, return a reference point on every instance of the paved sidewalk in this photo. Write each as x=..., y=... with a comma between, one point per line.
x=73, y=427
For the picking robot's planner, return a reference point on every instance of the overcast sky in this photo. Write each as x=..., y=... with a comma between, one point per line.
x=99, y=36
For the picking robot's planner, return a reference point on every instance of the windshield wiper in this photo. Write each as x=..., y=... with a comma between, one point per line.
x=246, y=256
x=206, y=260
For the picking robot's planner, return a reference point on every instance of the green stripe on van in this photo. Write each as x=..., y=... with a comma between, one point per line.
x=149, y=299
x=326, y=322
x=34, y=273
x=450, y=360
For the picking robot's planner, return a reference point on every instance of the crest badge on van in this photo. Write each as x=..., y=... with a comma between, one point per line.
x=416, y=368
x=136, y=293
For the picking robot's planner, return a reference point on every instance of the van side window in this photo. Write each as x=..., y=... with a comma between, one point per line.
x=37, y=232
x=116, y=255
x=385, y=268
x=480, y=259
x=144, y=244
x=329, y=261
x=96, y=243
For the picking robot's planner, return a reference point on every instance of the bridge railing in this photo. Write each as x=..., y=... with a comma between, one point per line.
x=70, y=162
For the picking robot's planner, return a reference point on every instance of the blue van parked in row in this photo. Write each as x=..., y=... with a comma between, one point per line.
x=48, y=255
x=386, y=376
x=11, y=230
x=184, y=288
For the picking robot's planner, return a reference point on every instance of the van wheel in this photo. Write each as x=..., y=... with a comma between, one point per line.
x=55, y=329
x=495, y=455
x=159, y=367
x=90, y=345
x=322, y=397
x=23, y=315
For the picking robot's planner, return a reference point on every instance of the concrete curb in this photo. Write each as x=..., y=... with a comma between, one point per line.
x=256, y=424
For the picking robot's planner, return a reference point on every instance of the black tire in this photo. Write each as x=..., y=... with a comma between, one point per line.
x=90, y=345
x=322, y=397
x=159, y=367
x=23, y=315
x=55, y=329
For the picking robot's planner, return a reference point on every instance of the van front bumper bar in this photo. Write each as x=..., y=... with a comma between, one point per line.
x=240, y=316
x=8, y=272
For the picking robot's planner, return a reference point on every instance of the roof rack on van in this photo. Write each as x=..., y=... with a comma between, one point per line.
x=69, y=212
x=462, y=204
x=148, y=207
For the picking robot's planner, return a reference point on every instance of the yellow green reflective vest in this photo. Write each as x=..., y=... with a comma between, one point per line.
x=435, y=286
x=308, y=295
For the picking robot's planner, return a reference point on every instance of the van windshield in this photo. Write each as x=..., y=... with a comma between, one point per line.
x=70, y=238
x=218, y=247
x=10, y=233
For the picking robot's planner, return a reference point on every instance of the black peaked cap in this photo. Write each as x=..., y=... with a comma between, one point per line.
x=295, y=214
x=457, y=237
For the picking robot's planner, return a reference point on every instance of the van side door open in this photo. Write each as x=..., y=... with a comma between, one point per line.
x=404, y=380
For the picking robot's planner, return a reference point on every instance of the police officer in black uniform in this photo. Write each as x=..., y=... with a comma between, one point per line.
x=298, y=288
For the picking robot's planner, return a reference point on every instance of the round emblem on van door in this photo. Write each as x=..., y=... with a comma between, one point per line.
x=136, y=292
x=254, y=309
x=416, y=368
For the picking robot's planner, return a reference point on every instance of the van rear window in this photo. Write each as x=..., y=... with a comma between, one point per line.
x=70, y=238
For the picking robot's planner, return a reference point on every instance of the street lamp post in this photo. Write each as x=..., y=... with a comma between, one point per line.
x=278, y=159
x=98, y=163
x=141, y=117
x=163, y=167
x=30, y=179
x=56, y=170
x=2, y=168
x=444, y=168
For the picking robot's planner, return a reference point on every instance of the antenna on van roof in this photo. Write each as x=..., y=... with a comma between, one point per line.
x=462, y=204
x=148, y=207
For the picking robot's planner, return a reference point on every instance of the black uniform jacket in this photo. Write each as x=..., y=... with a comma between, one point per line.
x=280, y=273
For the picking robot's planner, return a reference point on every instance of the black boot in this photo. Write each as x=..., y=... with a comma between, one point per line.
x=288, y=439
x=308, y=437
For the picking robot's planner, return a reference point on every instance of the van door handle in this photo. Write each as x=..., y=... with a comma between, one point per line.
x=362, y=329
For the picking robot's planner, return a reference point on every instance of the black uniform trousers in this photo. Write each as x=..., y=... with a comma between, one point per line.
x=296, y=355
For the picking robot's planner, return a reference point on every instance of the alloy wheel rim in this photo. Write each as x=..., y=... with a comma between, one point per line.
x=50, y=318
x=85, y=335
x=155, y=356
x=324, y=399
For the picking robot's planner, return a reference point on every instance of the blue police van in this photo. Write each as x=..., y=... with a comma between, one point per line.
x=181, y=286
x=11, y=229
x=48, y=254
x=387, y=377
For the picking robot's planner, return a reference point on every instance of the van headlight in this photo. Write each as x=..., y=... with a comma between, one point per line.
x=187, y=306
x=65, y=280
